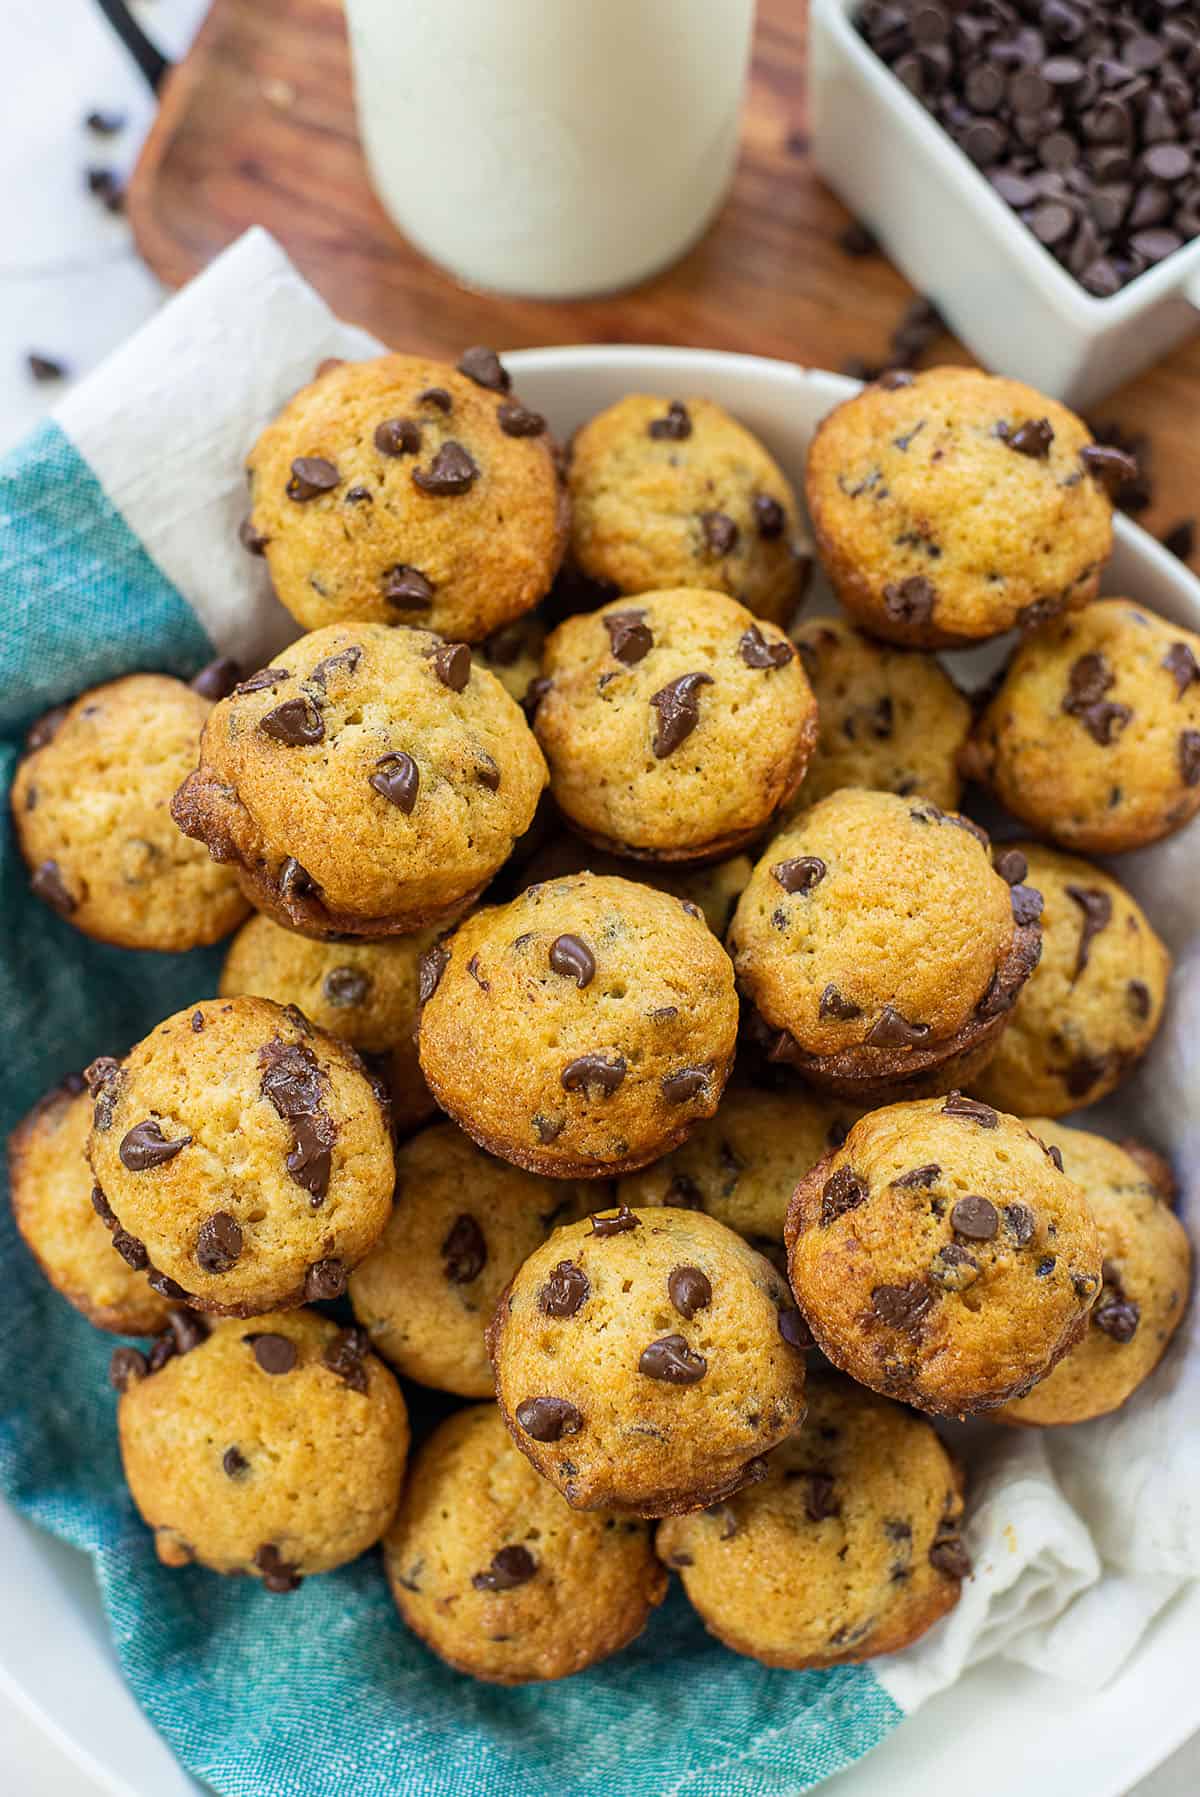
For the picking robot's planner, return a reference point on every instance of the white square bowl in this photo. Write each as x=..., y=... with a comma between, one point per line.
x=953, y=236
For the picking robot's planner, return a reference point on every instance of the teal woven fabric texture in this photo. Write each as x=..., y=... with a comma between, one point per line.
x=320, y=1693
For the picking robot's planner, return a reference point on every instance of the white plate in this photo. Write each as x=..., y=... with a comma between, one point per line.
x=1001, y=1729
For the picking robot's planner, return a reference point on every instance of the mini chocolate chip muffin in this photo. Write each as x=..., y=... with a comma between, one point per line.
x=242, y=1157
x=501, y=1578
x=91, y=802
x=276, y=1451
x=891, y=719
x=1147, y=1274
x=647, y=1360
x=364, y=992
x=50, y=1185
x=715, y=888
x=461, y=1226
x=404, y=491
x=1094, y=1001
x=582, y=1030
x=514, y=655
x=676, y=493
x=950, y=505
x=1093, y=737
x=880, y=947
x=942, y=1256
x=674, y=728
x=849, y=1548
x=370, y=782
x=741, y=1166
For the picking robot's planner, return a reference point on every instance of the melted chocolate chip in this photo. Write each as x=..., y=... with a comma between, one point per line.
x=464, y=1251
x=217, y=680
x=274, y=1353
x=324, y=1280
x=126, y=1367
x=297, y=723
x=1089, y=679
x=950, y=1556
x=548, y=1419
x=564, y=1291
x=398, y=436
x=975, y=1218
x=510, y=1567
x=671, y=1360
x=1097, y=908
x=484, y=367
x=629, y=635
x=571, y=956
x=219, y=1242
x=1083, y=1072
x=311, y=476
x=902, y=1306
x=344, y=1358
x=397, y=778
x=145, y=1146
x=757, y=652
x=344, y=987
x=1117, y=1317
x=452, y=471
x=1110, y=466
x=834, y=1004
x=516, y=420
x=800, y=874
x=689, y=1291
x=234, y=1463
x=333, y=664
x=430, y=968
x=1032, y=438
x=277, y=1575
x=1182, y=666
x=594, y=1071
x=793, y=1328
x=769, y=516
x=407, y=588
x=258, y=683
x=910, y=601
x=1020, y=1222
x=720, y=533
x=47, y=882
x=973, y=1110
x=1189, y=757
x=688, y=1083
x=843, y=1191
x=294, y=1086
x=820, y=1502
x=919, y=1177
x=891, y=1030
x=618, y=1224
x=676, y=425
x=678, y=711
x=548, y=1128
x=131, y=1250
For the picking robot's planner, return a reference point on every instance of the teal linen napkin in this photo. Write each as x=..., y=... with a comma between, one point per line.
x=323, y=1692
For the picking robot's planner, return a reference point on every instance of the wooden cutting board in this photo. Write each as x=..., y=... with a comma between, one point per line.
x=257, y=126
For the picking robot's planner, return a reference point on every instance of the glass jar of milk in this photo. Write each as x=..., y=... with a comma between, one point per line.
x=553, y=148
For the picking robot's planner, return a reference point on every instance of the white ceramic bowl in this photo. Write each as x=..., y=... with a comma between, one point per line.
x=950, y=232
x=996, y=1731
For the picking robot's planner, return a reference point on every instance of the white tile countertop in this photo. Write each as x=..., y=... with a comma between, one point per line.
x=71, y=289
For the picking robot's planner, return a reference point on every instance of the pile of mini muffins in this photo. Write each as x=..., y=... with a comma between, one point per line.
x=622, y=1018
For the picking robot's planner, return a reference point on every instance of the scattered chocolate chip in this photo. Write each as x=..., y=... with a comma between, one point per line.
x=1182, y=666
x=407, y=588
x=919, y=1177
x=676, y=425
x=516, y=420
x=297, y=723
x=294, y=1086
x=274, y=1353
x=45, y=729
x=1012, y=866
x=595, y=1070
x=953, y=1269
x=312, y=475
x=793, y=1328
x=820, y=1502
x=769, y=516
x=902, y=1306
x=346, y=659
x=623, y=1220
x=451, y=471
x=346, y=986
x=324, y=1280
x=909, y=601
x=1109, y=465
x=1089, y=679
x=452, y=665
x=47, y=882
x=397, y=779
x=277, y=1575
x=398, y=437
x=1117, y=1317
x=1138, y=994
x=564, y=1291
x=234, y=1463
x=1027, y=904
x=295, y=881
x=972, y=1109
x=257, y=683
x=219, y=1242
x=535, y=692
x=131, y=1250
x=344, y=1358
x=1032, y=438
x=1189, y=757
x=126, y=1367
x=464, y=1251
x=217, y=680
x=950, y=1556
x=572, y=957
x=1083, y=1072
x=1096, y=907
x=510, y=1567
x=720, y=533
x=628, y=634
x=671, y=1360
x=836, y=1005
x=843, y=1191
x=757, y=652
x=800, y=874
x=976, y=1218
x=145, y=1146
x=435, y=396
x=891, y=1030
x=548, y=1419
x=484, y=367
x=683, y=1194
x=689, y=1291
x=103, y=1208
x=688, y=1083
x=430, y=968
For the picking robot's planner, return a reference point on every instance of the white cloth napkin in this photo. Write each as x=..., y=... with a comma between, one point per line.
x=1079, y=1536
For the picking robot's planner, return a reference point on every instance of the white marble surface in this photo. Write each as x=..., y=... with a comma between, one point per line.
x=71, y=287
